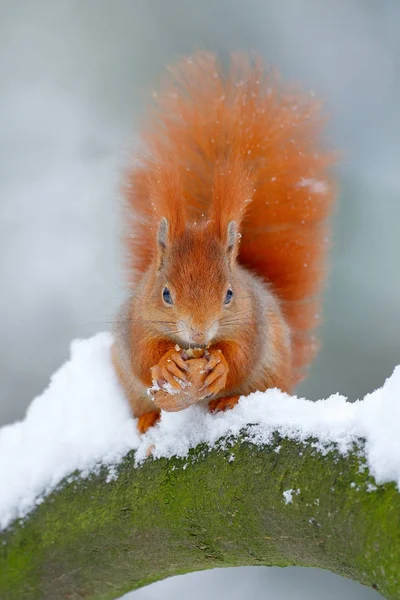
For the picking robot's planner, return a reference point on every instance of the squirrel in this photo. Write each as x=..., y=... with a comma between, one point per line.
x=227, y=213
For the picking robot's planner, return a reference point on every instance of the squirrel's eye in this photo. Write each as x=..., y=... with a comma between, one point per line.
x=166, y=294
x=228, y=296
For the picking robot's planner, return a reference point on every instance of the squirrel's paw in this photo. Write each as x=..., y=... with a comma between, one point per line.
x=217, y=373
x=170, y=371
x=223, y=403
x=148, y=420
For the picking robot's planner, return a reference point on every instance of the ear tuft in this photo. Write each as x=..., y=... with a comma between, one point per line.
x=232, y=236
x=162, y=234
x=232, y=192
x=162, y=241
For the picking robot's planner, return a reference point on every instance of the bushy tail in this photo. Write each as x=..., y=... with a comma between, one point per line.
x=206, y=115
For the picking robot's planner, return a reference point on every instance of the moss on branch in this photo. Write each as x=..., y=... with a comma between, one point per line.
x=94, y=538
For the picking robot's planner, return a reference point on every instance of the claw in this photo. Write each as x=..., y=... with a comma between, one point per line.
x=213, y=361
x=222, y=404
x=174, y=369
x=170, y=370
x=217, y=369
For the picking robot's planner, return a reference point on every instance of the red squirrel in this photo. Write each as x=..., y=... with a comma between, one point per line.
x=227, y=236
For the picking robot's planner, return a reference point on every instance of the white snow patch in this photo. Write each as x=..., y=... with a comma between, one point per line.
x=82, y=420
x=371, y=487
x=314, y=186
x=288, y=495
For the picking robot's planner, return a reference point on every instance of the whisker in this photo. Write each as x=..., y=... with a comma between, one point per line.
x=160, y=322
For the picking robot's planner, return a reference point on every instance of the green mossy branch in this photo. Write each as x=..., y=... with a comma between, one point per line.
x=95, y=538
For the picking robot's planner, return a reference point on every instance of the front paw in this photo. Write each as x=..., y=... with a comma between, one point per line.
x=170, y=374
x=216, y=373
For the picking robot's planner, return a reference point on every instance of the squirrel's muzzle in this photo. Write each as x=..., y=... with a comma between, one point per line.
x=199, y=336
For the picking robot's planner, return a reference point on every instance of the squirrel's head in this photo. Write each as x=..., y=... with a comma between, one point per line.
x=195, y=296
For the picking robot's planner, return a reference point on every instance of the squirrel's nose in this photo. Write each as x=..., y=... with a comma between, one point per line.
x=197, y=336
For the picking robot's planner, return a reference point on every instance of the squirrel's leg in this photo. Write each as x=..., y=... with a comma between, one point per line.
x=141, y=405
x=221, y=404
x=148, y=420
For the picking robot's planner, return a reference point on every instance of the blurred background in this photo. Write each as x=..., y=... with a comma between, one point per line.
x=75, y=76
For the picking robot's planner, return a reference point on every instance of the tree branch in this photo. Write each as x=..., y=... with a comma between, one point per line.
x=95, y=538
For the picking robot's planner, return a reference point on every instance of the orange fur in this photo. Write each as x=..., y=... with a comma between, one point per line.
x=222, y=404
x=147, y=420
x=236, y=144
x=224, y=150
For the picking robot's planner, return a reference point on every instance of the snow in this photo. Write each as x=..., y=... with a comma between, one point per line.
x=288, y=495
x=82, y=420
x=79, y=421
x=314, y=186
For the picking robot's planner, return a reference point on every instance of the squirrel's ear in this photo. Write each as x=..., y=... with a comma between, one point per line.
x=232, y=240
x=162, y=240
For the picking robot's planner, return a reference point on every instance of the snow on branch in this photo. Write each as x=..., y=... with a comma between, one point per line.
x=88, y=508
x=82, y=421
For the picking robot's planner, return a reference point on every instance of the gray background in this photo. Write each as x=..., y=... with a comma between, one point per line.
x=74, y=78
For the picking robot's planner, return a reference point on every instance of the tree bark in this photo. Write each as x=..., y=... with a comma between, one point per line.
x=99, y=538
